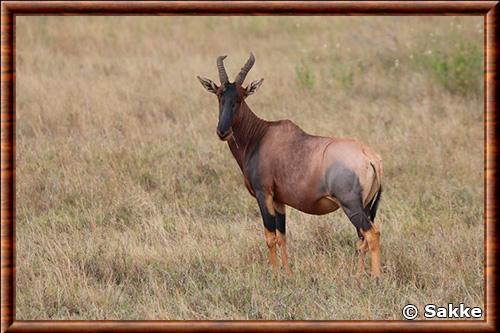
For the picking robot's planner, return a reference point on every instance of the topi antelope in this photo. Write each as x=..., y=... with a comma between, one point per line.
x=282, y=165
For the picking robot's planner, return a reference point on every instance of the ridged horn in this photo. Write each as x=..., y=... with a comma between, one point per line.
x=245, y=69
x=222, y=71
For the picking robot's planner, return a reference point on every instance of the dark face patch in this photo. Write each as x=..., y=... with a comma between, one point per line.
x=229, y=103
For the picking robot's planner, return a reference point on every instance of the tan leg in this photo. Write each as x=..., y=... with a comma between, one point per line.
x=271, y=245
x=281, y=234
x=362, y=248
x=265, y=200
x=284, y=253
x=372, y=237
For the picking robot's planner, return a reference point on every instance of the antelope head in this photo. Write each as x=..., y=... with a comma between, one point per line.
x=230, y=95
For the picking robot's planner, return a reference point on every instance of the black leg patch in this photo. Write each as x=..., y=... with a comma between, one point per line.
x=269, y=221
x=360, y=235
x=357, y=215
x=344, y=185
x=280, y=223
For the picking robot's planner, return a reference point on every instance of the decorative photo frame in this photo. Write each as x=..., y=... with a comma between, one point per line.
x=12, y=9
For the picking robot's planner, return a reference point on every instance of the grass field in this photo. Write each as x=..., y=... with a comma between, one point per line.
x=129, y=206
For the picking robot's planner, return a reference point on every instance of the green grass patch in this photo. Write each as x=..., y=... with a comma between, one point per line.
x=304, y=77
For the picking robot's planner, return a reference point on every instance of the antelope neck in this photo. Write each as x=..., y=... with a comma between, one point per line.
x=248, y=129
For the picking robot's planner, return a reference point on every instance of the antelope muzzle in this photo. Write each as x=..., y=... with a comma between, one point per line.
x=224, y=136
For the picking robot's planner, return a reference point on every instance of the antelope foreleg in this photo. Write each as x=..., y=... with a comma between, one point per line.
x=284, y=253
x=271, y=245
x=281, y=234
x=268, y=217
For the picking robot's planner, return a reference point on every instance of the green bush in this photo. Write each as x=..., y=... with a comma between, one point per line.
x=459, y=69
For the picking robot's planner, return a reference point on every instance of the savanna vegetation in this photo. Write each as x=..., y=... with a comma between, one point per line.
x=129, y=206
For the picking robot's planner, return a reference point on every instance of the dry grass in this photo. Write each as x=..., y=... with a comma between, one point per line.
x=129, y=207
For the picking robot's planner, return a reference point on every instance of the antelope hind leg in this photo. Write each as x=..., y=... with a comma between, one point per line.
x=372, y=237
x=362, y=248
x=356, y=214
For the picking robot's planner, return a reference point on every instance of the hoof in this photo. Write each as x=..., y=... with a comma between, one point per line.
x=360, y=272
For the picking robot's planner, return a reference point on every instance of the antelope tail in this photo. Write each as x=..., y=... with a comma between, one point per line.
x=373, y=204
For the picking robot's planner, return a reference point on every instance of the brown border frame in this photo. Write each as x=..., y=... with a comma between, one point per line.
x=9, y=10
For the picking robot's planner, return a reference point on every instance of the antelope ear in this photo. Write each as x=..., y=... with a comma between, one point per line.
x=252, y=87
x=208, y=84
